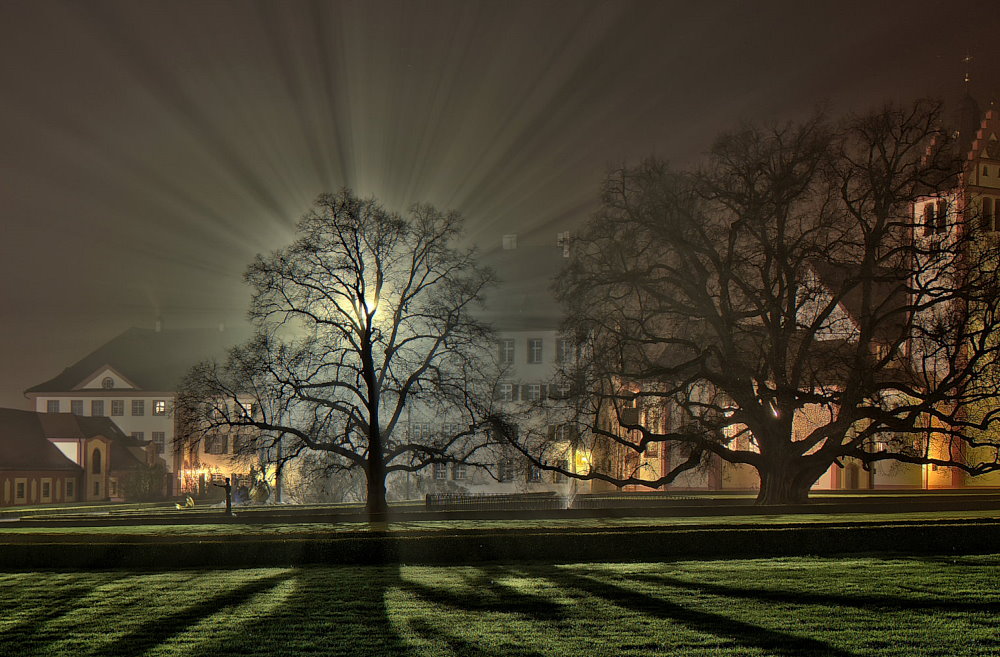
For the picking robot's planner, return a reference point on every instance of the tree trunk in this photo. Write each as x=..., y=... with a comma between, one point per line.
x=375, y=472
x=786, y=483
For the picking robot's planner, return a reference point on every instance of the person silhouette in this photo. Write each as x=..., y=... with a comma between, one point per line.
x=229, y=495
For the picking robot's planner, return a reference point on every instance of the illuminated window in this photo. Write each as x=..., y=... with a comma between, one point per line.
x=117, y=407
x=506, y=348
x=76, y=406
x=159, y=407
x=97, y=407
x=535, y=350
x=52, y=406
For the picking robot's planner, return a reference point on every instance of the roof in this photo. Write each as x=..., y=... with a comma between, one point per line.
x=152, y=360
x=24, y=445
x=888, y=297
x=523, y=300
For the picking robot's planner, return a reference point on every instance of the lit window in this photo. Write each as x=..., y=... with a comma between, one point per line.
x=159, y=407
x=535, y=350
x=97, y=407
x=117, y=407
x=52, y=406
x=76, y=406
x=138, y=407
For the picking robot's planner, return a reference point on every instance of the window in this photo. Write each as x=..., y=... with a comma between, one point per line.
x=160, y=441
x=562, y=390
x=535, y=474
x=215, y=444
x=46, y=490
x=138, y=407
x=459, y=472
x=652, y=450
x=95, y=462
x=139, y=435
x=942, y=216
x=76, y=406
x=70, y=489
x=159, y=407
x=506, y=349
x=52, y=406
x=243, y=410
x=928, y=218
x=97, y=408
x=107, y=383
x=534, y=391
x=97, y=488
x=564, y=350
x=505, y=470
x=988, y=206
x=986, y=171
x=506, y=392
x=535, y=350
x=420, y=430
x=440, y=471
x=117, y=407
x=510, y=242
x=19, y=491
x=113, y=487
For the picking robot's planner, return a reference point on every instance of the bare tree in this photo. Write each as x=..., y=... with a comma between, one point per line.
x=784, y=309
x=366, y=314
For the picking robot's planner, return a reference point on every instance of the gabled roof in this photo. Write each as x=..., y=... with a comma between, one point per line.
x=24, y=445
x=523, y=300
x=153, y=360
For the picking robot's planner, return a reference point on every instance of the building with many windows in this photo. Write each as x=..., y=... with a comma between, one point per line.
x=133, y=380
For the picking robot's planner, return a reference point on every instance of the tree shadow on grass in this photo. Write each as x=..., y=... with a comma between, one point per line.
x=51, y=605
x=826, y=598
x=744, y=634
x=465, y=648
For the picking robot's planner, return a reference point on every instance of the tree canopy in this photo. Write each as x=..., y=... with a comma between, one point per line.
x=784, y=308
x=365, y=315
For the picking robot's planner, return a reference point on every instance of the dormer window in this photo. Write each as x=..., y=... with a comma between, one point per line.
x=107, y=383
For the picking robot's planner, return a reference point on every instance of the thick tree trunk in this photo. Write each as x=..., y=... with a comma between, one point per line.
x=786, y=483
x=375, y=472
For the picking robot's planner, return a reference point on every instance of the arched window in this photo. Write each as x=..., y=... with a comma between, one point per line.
x=95, y=462
x=107, y=383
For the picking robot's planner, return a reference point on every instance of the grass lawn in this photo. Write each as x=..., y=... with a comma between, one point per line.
x=795, y=607
x=284, y=528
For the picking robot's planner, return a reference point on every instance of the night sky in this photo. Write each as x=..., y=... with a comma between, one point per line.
x=149, y=149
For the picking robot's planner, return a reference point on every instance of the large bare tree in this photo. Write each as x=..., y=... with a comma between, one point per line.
x=367, y=314
x=784, y=308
